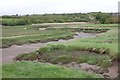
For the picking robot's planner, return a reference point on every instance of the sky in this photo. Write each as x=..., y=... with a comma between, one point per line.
x=22, y=7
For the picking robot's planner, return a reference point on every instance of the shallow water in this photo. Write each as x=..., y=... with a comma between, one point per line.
x=9, y=53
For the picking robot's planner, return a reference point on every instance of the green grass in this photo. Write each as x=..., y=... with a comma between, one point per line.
x=15, y=21
x=80, y=25
x=0, y=71
x=19, y=35
x=62, y=59
x=30, y=34
x=100, y=25
x=61, y=54
x=9, y=31
x=97, y=51
x=105, y=43
x=39, y=70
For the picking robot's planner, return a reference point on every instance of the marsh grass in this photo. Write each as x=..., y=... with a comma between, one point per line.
x=64, y=59
x=61, y=54
x=99, y=50
x=39, y=70
x=49, y=35
x=31, y=34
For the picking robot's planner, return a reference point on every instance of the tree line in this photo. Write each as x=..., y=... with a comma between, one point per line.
x=95, y=17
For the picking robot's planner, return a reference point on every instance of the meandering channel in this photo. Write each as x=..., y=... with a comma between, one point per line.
x=9, y=53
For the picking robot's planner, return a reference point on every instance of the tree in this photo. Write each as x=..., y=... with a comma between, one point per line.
x=102, y=17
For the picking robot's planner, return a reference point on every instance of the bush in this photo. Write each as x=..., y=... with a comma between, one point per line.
x=14, y=22
x=21, y=22
x=8, y=23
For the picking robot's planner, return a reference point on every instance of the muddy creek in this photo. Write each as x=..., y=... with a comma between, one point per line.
x=9, y=53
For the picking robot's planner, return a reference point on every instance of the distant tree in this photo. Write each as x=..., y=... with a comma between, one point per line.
x=102, y=17
x=16, y=15
x=113, y=19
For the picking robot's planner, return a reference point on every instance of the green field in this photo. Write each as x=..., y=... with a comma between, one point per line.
x=105, y=43
x=40, y=70
x=101, y=50
x=93, y=17
x=27, y=34
x=31, y=34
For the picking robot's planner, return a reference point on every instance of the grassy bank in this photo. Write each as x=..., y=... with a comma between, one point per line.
x=8, y=31
x=103, y=43
x=100, y=50
x=66, y=52
x=59, y=54
x=31, y=34
x=73, y=25
x=39, y=70
x=23, y=35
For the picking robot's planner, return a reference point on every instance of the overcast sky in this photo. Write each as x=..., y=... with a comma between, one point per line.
x=9, y=7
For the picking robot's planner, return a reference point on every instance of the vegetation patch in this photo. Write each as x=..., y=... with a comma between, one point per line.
x=57, y=54
x=101, y=50
x=94, y=17
x=39, y=70
x=96, y=51
x=28, y=34
x=33, y=36
x=64, y=59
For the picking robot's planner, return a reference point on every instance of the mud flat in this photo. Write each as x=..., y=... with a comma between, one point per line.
x=9, y=53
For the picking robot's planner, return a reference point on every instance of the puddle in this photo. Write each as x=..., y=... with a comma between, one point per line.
x=84, y=35
x=42, y=29
x=80, y=35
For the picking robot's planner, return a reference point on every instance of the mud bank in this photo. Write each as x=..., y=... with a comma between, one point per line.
x=9, y=53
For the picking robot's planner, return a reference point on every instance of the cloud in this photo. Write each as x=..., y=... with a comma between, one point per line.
x=56, y=6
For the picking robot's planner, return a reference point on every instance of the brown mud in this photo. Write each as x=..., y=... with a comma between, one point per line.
x=9, y=53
